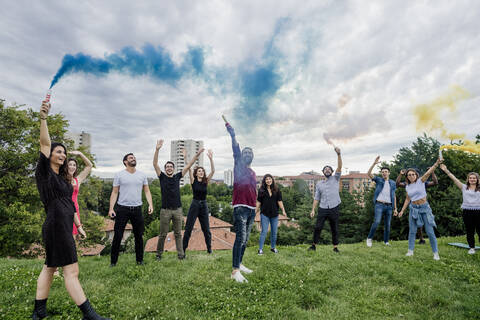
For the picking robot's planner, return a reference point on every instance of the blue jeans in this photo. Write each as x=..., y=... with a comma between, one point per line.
x=243, y=219
x=418, y=216
x=273, y=230
x=380, y=210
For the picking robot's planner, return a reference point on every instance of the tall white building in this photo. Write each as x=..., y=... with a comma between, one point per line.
x=176, y=156
x=228, y=177
x=82, y=139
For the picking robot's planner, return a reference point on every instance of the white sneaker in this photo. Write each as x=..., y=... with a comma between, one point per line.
x=245, y=269
x=409, y=253
x=387, y=244
x=369, y=242
x=237, y=276
x=260, y=252
x=471, y=251
x=436, y=256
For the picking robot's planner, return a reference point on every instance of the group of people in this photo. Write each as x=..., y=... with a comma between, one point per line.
x=58, y=184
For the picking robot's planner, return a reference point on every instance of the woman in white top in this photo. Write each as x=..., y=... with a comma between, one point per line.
x=420, y=211
x=470, y=204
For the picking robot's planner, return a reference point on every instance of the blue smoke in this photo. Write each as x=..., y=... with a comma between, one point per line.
x=151, y=61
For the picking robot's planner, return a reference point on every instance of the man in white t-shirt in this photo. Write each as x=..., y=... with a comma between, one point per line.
x=127, y=187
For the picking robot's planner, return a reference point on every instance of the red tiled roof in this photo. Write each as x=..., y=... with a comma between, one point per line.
x=221, y=240
x=214, y=223
x=109, y=224
x=91, y=251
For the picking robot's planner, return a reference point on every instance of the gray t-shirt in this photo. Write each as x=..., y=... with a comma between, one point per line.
x=131, y=185
x=327, y=192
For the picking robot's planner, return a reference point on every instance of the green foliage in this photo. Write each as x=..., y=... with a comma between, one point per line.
x=93, y=226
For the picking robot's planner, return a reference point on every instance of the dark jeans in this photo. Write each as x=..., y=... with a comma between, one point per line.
x=199, y=209
x=332, y=216
x=243, y=219
x=471, y=219
x=123, y=215
x=380, y=210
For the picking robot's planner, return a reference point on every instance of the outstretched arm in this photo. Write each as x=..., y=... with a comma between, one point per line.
x=212, y=167
x=45, y=142
x=399, y=179
x=155, y=157
x=369, y=173
x=339, y=160
x=431, y=170
x=434, y=181
x=190, y=164
x=235, y=145
x=190, y=174
x=451, y=176
x=88, y=166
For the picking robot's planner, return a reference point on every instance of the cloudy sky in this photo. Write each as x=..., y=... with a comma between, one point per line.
x=284, y=74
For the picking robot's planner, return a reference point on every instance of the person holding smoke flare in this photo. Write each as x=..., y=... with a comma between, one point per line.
x=384, y=201
x=470, y=204
x=199, y=207
x=244, y=203
x=328, y=195
x=420, y=212
x=55, y=189
x=77, y=179
x=268, y=201
x=428, y=184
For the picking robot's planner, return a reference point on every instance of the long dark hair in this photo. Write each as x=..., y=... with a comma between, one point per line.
x=74, y=175
x=406, y=175
x=63, y=170
x=204, y=179
x=264, y=187
x=477, y=187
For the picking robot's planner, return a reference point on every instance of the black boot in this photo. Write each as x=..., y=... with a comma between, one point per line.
x=40, y=310
x=89, y=313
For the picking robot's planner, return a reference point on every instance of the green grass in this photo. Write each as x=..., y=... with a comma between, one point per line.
x=359, y=283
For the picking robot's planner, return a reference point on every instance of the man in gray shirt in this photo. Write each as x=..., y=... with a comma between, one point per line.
x=127, y=187
x=327, y=192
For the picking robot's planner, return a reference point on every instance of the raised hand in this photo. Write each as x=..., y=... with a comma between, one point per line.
x=402, y=172
x=200, y=151
x=159, y=144
x=230, y=129
x=44, y=109
x=443, y=167
x=184, y=153
x=210, y=154
x=377, y=160
x=337, y=150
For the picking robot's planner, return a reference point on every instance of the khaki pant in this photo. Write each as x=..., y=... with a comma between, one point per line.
x=176, y=216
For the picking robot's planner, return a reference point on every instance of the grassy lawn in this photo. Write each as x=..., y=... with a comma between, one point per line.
x=359, y=283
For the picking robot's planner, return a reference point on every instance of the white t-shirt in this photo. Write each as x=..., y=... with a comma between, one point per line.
x=384, y=195
x=131, y=185
x=416, y=190
x=471, y=199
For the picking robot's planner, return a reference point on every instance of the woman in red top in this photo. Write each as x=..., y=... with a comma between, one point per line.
x=77, y=179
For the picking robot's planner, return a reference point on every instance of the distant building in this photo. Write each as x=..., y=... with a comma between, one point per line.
x=228, y=177
x=82, y=139
x=176, y=156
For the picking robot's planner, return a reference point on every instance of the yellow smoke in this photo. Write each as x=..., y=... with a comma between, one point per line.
x=427, y=115
x=468, y=145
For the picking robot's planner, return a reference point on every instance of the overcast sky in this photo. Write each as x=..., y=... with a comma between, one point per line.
x=276, y=69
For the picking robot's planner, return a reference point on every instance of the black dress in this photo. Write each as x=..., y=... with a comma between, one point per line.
x=56, y=195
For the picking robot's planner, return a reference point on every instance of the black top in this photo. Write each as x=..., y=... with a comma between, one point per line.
x=170, y=190
x=199, y=190
x=56, y=195
x=269, y=204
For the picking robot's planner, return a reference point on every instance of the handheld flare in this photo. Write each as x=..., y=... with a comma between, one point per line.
x=440, y=155
x=48, y=96
x=224, y=119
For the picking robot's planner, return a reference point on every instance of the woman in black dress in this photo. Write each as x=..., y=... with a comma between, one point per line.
x=56, y=191
x=199, y=207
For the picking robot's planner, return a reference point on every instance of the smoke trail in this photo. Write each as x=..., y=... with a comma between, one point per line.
x=428, y=115
x=468, y=146
x=151, y=61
